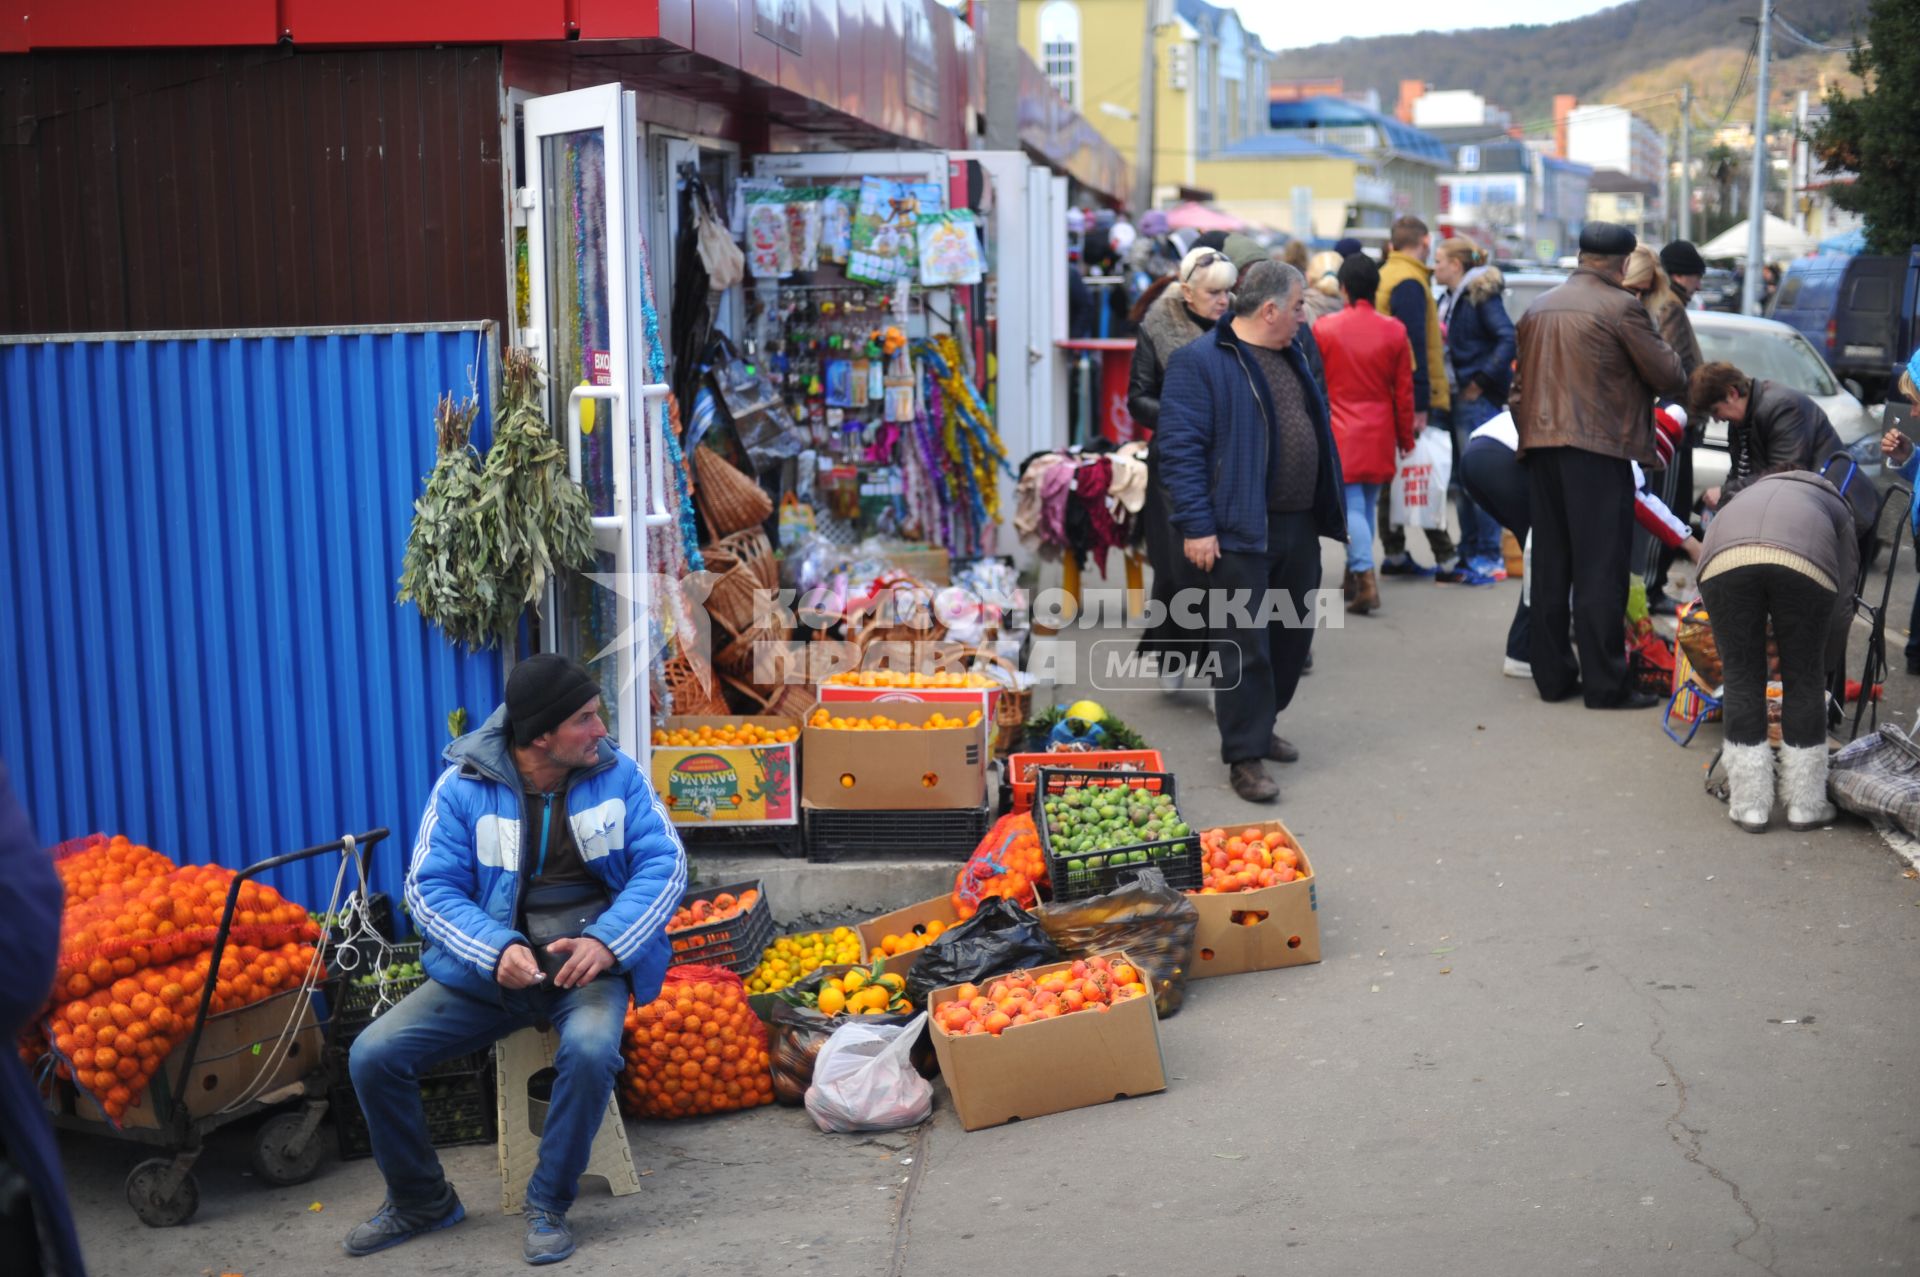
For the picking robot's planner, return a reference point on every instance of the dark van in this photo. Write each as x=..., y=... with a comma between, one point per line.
x=1861, y=313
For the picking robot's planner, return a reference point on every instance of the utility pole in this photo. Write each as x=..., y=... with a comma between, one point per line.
x=1686, y=161
x=1801, y=168
x=1143, y=147
x=1757, y=199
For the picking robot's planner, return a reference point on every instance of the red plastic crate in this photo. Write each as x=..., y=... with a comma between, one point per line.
x=1022, y=768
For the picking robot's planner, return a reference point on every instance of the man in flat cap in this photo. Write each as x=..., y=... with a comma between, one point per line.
x=1590, y=366
x=543, y=878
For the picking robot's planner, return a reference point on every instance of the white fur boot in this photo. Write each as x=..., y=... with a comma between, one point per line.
x=1803, y=786
x=1750, y=785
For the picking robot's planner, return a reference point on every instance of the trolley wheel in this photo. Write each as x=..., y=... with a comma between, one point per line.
x=281, y=1155
x=147, y=1194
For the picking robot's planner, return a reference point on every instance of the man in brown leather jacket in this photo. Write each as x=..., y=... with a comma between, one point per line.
x=1590, y=366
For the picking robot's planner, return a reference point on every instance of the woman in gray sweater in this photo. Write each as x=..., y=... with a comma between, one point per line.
x=1782, y=552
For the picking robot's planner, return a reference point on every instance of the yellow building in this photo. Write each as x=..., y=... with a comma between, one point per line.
x=1211, y=79
x=1339, y=164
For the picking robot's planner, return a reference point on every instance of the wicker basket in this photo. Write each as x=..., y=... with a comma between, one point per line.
x=729, y=501
x=733, y=644
x=1011, y=713
x=782, y=700
x=880, y=624
x=694, y=689
x=743, y=565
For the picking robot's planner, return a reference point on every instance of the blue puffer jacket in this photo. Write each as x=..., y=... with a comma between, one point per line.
x=1214, y=434
x=1480, y=341
x=464, y=883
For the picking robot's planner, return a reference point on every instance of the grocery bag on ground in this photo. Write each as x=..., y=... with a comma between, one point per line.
x=799, y=1033
x=1878, y=776
x=864, y=1079
x=1148, y=920
x=1418, y=497
x=1001, y=937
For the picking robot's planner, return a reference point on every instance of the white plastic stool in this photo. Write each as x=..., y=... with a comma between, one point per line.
x=516, y=1058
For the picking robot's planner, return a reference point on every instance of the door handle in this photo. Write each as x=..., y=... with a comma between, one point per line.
x=656, y=515
x=617, y=521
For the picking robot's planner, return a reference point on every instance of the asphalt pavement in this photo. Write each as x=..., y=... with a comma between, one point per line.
x=1569, y=1018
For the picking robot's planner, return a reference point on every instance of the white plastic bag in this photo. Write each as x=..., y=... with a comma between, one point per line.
x=1418, y=498
x=863, y=1080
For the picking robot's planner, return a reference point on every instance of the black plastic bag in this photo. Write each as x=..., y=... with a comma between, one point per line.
x=1153, y=924
x=1002, y=937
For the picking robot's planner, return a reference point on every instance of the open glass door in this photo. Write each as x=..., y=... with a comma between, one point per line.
x=583, y=178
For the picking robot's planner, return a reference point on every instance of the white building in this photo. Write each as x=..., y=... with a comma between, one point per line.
x=1614, y=138
x=1456, y=108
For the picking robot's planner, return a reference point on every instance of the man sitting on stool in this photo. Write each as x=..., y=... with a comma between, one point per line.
x=543, y=878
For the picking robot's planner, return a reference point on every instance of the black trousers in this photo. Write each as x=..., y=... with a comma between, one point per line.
x=1497, y=483
x=1260, y=666
x=1167, y=556
x=1582, y=506
x=1740, y=602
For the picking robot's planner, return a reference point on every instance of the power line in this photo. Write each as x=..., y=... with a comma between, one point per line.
x=1740, y=87
x=1795, y=33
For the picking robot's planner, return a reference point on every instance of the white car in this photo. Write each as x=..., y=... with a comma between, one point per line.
x=1771, y=351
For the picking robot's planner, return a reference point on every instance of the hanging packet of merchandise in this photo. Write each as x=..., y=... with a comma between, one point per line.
x=886, y=224
x=836, y=222
x=769, y=240
x=950, y=249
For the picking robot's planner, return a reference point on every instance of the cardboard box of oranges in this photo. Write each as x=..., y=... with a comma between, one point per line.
x=894, y=756
x=1262, y=929
x=727, y=770
x=901, y=935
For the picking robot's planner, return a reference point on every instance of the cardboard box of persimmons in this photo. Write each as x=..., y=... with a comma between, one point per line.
x=1048, y=1039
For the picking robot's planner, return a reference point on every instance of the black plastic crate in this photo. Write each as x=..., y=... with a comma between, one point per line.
x=352, y=1006
x=458, y=1066
x=833, y=834
x=781, y=840
x=1177, y=859
x=734, y=943
x=460, y=1110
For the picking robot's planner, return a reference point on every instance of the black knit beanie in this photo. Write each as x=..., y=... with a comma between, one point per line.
x=543, y=692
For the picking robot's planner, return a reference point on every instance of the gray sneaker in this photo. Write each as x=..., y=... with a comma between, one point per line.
x=549, y=1240
x=392, y=1224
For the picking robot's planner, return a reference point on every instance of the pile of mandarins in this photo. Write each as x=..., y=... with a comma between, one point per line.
x=1008, y=863
x=135, y=958
x=707, y=736
x=697, y=1048
x=1009, y=1001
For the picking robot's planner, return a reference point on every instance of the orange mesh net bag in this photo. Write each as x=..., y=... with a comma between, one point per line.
x=135, y=958
x=697, y=1048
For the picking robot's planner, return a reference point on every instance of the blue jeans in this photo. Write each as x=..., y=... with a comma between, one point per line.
x=434, y=1023
x=1362, y=498
x=1479, y=530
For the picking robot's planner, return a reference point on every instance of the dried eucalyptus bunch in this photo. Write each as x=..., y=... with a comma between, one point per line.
x=487, y=539
x=443, y=573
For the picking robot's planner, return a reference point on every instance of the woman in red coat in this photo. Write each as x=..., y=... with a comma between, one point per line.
x=1370, y=387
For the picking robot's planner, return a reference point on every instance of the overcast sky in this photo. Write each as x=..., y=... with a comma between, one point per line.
x=1293, y=26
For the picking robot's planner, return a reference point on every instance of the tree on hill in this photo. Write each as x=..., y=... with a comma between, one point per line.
x=1877, y=134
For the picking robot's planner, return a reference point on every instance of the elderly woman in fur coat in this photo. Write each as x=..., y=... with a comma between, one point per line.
x=1173, y=313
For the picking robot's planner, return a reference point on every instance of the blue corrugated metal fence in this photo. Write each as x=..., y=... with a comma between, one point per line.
x=200, y=647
